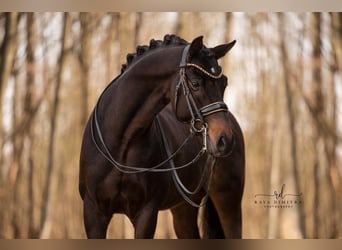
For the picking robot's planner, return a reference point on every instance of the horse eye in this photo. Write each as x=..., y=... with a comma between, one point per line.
x=195, y=84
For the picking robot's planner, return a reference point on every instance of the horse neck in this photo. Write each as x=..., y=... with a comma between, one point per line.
x=131, y=103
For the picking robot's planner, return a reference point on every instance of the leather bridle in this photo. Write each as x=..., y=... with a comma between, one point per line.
x=198, y=123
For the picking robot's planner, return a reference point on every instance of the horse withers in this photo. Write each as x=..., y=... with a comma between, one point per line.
x=161, y=137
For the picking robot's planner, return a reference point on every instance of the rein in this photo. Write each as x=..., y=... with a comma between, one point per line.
x=182, y=190
x=131, y=169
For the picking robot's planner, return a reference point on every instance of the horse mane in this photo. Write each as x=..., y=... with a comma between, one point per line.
x=168, y=40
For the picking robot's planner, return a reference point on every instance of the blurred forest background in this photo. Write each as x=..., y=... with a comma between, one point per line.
x=285, y=88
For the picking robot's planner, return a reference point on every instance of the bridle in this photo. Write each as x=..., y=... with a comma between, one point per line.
x=197, y=119
x=197, y=114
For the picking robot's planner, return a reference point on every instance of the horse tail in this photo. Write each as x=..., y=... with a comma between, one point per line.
x=211, y=224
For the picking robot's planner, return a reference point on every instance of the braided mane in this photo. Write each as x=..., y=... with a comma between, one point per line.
x=142, y=49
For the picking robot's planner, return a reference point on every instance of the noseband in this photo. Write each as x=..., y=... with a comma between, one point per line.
x=197, y=114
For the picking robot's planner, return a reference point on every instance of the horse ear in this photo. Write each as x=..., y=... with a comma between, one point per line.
x=221, y=50
x=196, y=46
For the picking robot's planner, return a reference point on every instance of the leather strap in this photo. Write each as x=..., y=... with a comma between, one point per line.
x=183, y=62
x=213, y=108
x=181, y=188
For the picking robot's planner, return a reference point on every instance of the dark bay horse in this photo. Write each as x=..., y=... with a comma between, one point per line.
x=161, y=137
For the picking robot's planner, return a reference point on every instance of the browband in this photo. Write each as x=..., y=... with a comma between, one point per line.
x=183, y=64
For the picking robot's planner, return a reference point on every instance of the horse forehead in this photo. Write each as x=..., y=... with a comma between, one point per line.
x=207, y=60
x=207, y=56
x=206, y=53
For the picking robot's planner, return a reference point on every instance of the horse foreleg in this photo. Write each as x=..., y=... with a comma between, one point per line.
x=95, y=222
x=228, y=206
x=226, y=192
x=145, y=222
x=185, y=221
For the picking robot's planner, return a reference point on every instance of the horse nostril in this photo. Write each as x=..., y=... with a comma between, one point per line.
x=225, y=144
x=222, y=143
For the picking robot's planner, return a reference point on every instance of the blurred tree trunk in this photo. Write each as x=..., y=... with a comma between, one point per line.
x=127, y=34
x=8, y=50
x=229, y=26
x=228, y=38
x=181, y=24
x=14, y=185
x=324, y=132
x=50, y=183
x=138, y=23
x=113, y=39
x=259, y=101
x=17, y=222
x=322, y=106
x=291, y=119
x=323, y=111
x=331, y=151
x=22, y=139
x=188, y=25
x=29, y=111
x=317, y=108
x=85, y=57
x=336, y=23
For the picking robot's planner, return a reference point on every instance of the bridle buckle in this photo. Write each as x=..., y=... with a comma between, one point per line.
x=196, y=129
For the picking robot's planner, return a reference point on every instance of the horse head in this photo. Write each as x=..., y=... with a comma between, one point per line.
x=199, y=95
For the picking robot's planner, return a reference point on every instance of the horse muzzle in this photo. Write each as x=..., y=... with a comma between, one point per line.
x=221, y=141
